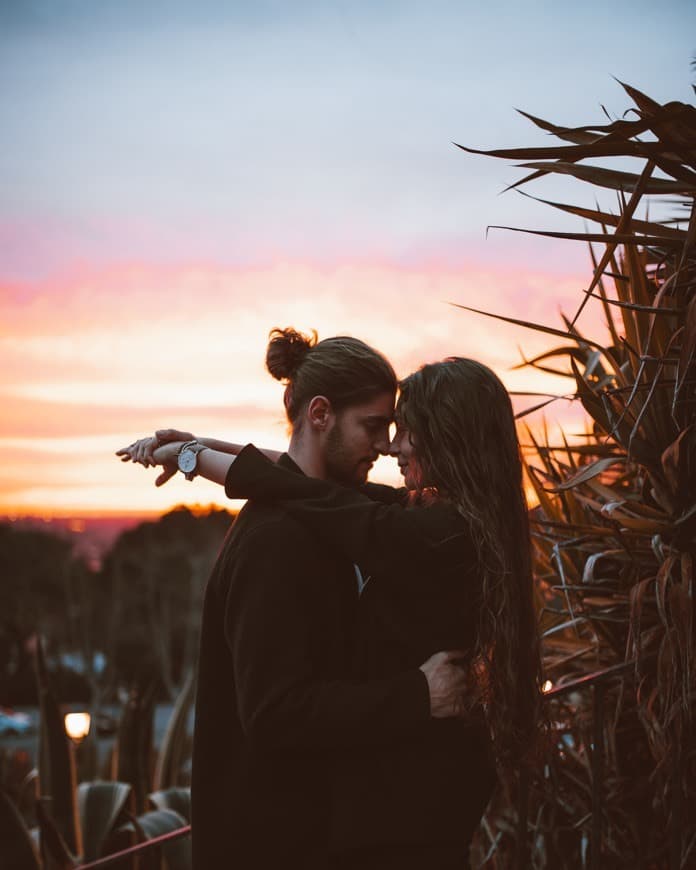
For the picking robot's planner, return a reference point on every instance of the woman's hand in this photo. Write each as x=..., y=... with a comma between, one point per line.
x=157, y=450
x=140, y=451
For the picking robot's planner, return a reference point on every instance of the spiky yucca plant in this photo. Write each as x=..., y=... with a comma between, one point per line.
x=615, y=530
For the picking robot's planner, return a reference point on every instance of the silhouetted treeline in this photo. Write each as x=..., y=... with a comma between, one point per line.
x=135, y=620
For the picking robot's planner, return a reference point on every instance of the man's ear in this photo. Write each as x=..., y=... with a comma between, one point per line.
x=320, y=413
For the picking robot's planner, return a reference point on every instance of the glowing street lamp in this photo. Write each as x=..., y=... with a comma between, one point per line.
x=77, y=726
x=548, y=685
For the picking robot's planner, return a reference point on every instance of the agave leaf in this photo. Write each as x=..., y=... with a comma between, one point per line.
x=591, y=403
x=559, y=373
x=520, y=414
x=646, y=228
x=670, y=164
x=544, y=501
x=628, y=239
x=101, y=805
x=132, y=754
x=57, y=775
x=640, y=188
x=675, y=460
x=675, y=125
x=587, y=472
x=608, y=316
x=578, y=135
x=690, y=239
x=55, y=850
x=569, y=453
x=611, y=178
x=173, y=749
x=18, y=850
x=687, y=357
x=570, y=623
x=177, y=853
x=644, y=103
x=575, y=351
x=584, y=449
x=178, y=799
x=614, y=131
x=533, y=393
x=531, y=177
x=600, y=147
x=634, y=306
x=588, y=576
x=538, y=327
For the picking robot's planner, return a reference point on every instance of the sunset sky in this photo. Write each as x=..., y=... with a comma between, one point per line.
x=178, y=178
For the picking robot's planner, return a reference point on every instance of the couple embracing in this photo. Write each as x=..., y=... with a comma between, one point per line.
x=369, y=655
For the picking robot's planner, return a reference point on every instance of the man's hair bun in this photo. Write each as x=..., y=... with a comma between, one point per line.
x=287, y=349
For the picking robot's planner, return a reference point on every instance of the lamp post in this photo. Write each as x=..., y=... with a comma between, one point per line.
x=84, y=752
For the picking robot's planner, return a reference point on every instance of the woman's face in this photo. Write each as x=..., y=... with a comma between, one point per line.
x=405, y=451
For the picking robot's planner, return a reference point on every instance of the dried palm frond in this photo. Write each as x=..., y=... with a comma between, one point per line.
x=615, y=526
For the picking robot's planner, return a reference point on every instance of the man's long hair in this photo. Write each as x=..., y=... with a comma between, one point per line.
x=344, y=369
x=461, y=421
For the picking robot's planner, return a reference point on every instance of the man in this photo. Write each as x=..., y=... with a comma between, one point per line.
x=275, y=707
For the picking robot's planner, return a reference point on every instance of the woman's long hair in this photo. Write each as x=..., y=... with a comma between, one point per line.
x=462, y=425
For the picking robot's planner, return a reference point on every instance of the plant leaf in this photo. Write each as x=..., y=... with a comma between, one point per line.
x=18, y=851
x=101, y=806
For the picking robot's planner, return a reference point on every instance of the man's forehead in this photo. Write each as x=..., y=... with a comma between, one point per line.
x=378, y=418
x=380, y=409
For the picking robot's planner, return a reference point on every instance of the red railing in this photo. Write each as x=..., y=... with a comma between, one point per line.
x=596, y=681
x=137, y=849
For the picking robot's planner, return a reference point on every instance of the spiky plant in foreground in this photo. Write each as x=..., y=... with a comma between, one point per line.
x=615, y=530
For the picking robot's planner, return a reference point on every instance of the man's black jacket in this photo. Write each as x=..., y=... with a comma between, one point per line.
x=421, y=596
x=275, y=706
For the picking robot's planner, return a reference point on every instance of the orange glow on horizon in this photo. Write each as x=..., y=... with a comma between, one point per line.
x=92, y=359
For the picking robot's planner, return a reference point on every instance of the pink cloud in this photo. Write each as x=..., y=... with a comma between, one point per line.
x=97, y=351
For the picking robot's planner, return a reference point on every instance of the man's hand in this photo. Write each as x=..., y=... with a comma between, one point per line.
x=447, y=683
x=166, y=456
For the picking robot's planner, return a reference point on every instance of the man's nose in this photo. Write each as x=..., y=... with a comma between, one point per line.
x=381, y=443
x=393, y=448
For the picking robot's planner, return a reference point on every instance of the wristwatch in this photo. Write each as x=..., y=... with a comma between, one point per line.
x=187, y=458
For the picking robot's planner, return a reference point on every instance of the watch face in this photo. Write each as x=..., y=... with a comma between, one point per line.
x=187, y=461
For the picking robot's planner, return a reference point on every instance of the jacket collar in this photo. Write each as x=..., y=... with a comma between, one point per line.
x=285, y=461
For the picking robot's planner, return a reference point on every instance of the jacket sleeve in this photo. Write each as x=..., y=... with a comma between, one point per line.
x=380, y=537
x=385, y=494
x=269, y=609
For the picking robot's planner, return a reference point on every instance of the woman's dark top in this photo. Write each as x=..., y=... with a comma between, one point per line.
x=420, y=596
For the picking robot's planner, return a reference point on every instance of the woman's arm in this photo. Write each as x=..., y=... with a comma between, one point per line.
x=211, y=464
x=143, y=450
x=166, y=435
x=386, y=494
x=379, y=537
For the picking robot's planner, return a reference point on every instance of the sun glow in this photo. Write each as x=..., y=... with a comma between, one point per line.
x=78, y=381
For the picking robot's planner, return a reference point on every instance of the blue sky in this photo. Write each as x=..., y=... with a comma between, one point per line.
x=315, y=127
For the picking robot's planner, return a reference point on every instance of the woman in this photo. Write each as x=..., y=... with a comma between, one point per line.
x=445, y=564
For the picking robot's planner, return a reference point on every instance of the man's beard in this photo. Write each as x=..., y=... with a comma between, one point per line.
x=341, y=464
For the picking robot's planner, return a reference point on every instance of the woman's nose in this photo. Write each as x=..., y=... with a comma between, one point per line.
x=393, y=448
